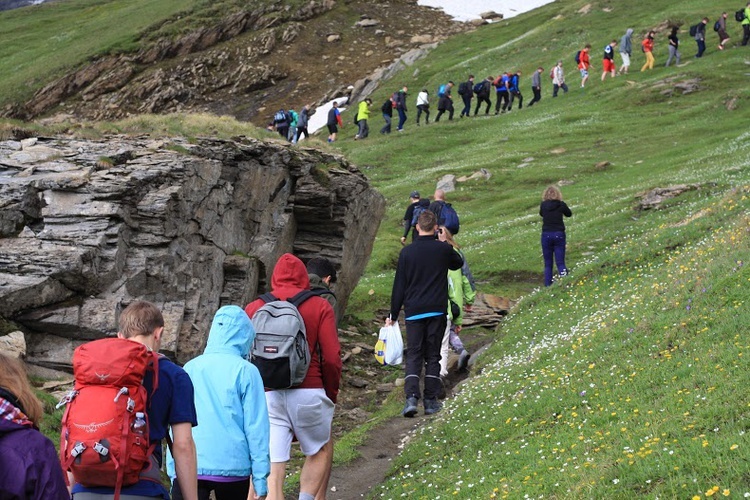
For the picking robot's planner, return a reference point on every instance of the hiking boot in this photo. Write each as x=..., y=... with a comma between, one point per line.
x=432, y=406
x=463, y=360
x=442, y=394
x=410, y=408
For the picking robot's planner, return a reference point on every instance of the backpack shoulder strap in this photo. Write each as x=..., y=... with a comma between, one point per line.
x=268, y=297
x=323, y=291
x=302, y=296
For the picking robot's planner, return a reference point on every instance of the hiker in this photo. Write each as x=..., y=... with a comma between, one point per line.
x=647, y=45
x=421, y=287
x=674, y=44
x=171, y=410
x=608, y=62
x=461, y=296
x=401, y=107
x=558, y=79
x=322, y=274
x=387, y=110
x=514, y=89
x=584, y=63
x=482, y=90
x=416, y=207
x=626, y=50
x=552, y=210
x=363, y=114
x=721, y=24
x=444, y=212
x=536, y=85
x=502, y=92
x=746, y=26
x=445, y=101
x=292, y=134
x=466, y=91
x=700, y=36
x=304, y=411
x=423, y=106
x=29, y=465
x=233, y=431
x=304, y=118
x=281, y=123
x=334, y=121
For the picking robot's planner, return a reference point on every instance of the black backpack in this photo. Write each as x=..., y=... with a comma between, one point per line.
x=739, y=16
x=479, y=88
x=463, y=88
x=694, y=30
x=578, y=57
x=717, y=26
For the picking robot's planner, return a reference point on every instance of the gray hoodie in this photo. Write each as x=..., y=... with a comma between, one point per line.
x=625, y=46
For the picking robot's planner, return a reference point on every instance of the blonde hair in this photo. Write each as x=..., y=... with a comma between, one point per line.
x=552, y=193
x=449, y=237
x=140, y=318
x=14, y=380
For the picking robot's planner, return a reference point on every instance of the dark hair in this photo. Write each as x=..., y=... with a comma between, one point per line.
x=471, y=76
x=427, y=221
x=321, y=267
x=451, y=82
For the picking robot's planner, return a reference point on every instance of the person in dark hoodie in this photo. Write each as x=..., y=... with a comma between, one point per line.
x=416, y=206
x=466, y=91
x=482, y=90
x=626, y=50
x=305, y=411
x=552, y=211
x=29, y=465
x=322, y=275
x=421, y=287
x=302, y=121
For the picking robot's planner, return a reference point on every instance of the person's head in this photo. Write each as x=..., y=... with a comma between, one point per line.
x=518, y=72
x=490, y=78
x=323, y=269
x=552, y=193
x=613, y=43
x=587, y=47
x=13, y=380
x=450, y=84
x=652, y=33
x=675, y=29
x=439, y=195
x=560, y=63
x=414, y=196
x=368, y=101
x=335, y=104
x=405, y=89
x=426, y=223
x=471, y=78
x=704, y=21
x=142, y=322
x=724, y=15
x=540, y=70
x=444, y=234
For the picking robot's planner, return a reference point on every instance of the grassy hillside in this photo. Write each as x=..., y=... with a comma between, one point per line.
x=628, y=377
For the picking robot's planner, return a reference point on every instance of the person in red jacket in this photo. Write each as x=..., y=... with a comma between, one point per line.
x=584, y=63
x=648, y=48
x=305, y=411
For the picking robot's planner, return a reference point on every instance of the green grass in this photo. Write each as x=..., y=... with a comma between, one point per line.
x=625, y=379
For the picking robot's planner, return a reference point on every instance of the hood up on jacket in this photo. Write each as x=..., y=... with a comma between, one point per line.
x=231, y=332
x=629, y=32
x=289, y=276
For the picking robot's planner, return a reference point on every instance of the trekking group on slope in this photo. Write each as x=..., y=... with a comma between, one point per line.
x=229, y=423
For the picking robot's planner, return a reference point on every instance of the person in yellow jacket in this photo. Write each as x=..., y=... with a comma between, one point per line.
x=461, y=295
x=746, y=25
x=363, y=114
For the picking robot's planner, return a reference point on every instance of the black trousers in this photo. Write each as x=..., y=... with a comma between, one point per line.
x=447, y=106
x=537, y=95
x=423, y=340
x=423, y=108
x=467, y=105
x=745, y=33
x=502, y=99
x=480, y=100
x=236, y=490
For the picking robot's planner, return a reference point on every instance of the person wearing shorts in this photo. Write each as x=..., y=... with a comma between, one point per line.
x=334, y=122
x=608, y=63
x=626, y=49
x=584, y=63
x=305, y=411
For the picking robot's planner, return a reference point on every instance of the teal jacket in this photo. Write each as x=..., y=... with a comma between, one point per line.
x=232, y=436
x=459, y=291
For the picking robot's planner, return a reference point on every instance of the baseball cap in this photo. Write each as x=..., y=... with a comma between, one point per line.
x=414, y=194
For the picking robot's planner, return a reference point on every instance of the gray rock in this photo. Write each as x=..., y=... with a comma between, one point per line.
x=13, y=344
x=447, y=183
x=366, y=23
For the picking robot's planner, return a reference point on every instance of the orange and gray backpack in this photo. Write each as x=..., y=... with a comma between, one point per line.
x=105, y=430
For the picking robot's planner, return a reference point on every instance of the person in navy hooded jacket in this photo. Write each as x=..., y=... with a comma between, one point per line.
x=552, y=211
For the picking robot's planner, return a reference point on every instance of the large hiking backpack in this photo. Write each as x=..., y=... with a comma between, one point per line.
x=279, y=117
x=280, y=351
x=450, y=218
x=463, y=88
x=104, y=439
x=417, y=212
x=739, y=16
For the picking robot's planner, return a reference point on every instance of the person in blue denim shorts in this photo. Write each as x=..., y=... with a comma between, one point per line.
x=552, y=211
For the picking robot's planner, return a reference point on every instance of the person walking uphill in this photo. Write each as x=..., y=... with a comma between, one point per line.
x=363, y=114
x=552, y=211
x=700, y=36
x=536, y=85
x=423, y=106
x=445, y=101
x=746, y=26
x=29, y=465
x=674, y=46
x=416, y=206
x=608, y=60
x=304, y=411
x=401, y=107
x=626, y=50
x=558, y=79
x=421, y=287
x=584, y=63
x=466, y=91
x=482, y=90
x=722, y=31
x=387, y=110
x=233, y=431
x=334, y=122
x=648, y=48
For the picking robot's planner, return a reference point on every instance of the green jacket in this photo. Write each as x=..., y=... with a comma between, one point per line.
x=460, y=292
x=747, y=16
x=316, y=283
x=363, y=112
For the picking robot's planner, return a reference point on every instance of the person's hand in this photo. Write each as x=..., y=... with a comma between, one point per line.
x=259, y=497
x=388, y=321
x=458, y=328
x=403, y=240
x=467, y=307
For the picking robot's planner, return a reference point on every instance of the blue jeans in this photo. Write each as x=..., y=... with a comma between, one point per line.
x=401, y=118
x=387, y=127
x=553, y=244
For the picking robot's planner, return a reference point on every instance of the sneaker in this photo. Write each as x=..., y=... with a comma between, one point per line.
x=410, y=408
x=432, y=406
x=463, y=360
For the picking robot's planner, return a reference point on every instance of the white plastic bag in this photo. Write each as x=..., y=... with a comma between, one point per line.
x=390, y=346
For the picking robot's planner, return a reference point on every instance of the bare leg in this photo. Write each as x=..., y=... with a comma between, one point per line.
x=328, y=450
x=313, y=473
x=276, y=481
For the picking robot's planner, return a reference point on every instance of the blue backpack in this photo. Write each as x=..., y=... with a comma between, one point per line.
x=449, y=218
x=478, y=87
x=441, y=90
x=417, y=212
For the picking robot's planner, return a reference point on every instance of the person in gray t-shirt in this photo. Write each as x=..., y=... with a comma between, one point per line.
x=536, y=85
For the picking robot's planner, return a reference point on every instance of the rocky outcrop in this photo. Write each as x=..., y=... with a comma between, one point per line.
x=88, y=227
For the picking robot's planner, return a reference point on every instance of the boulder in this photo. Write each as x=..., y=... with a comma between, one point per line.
x=333, y=37
x=447, y=183
x=366, y=23
x=189, y=226
x=491, y=15
x=13, y=344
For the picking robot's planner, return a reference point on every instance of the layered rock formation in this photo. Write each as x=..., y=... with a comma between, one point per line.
x=88, y=227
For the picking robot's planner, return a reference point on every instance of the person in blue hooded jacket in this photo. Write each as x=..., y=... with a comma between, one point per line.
x=233, y=434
